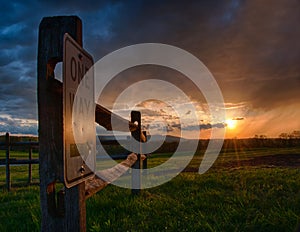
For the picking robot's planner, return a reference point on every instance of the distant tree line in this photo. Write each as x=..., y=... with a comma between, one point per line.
x=15, y=139
x=293, y=135
x=237, y=144
x=259, y=141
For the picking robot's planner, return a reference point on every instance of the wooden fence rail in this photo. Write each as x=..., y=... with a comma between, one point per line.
x=94, y=184
x=9, y=161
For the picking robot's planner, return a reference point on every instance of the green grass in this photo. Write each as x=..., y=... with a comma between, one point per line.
x=241, y=200
x=19, y=175
x=18, y=154
x=20, y=210
x=223, y=199
x=224, y=156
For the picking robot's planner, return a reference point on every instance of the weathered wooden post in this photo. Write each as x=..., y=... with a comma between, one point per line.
x=136, y=173
x=145, y=161
x=7, y=142
x=62, y=210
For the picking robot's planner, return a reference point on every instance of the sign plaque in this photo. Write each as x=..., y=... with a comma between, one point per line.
x=79, y=155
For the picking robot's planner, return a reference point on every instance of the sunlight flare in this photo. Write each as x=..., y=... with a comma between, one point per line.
x=231, y=124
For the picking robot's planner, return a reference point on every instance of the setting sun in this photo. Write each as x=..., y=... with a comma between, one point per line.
x=231, y=124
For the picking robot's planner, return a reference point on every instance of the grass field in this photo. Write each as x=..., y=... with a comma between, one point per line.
x=235, y=195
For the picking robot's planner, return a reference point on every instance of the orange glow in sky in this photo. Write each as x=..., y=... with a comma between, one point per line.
x=231, y=124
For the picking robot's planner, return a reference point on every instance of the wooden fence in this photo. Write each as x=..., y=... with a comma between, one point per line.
x=7, y=146
x=29, y=146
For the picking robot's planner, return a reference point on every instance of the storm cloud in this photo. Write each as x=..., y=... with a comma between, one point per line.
x=251, y=47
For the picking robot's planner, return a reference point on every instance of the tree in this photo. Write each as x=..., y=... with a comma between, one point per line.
x=295, y=135
x=284, y=136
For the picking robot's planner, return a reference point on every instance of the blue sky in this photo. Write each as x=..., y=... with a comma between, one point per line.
x=251, y=47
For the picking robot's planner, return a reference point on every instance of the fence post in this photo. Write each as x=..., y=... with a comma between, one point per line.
x=136, y=168
x=7, y=143
x=29, y=165
x=145, y=161
x=62, y=210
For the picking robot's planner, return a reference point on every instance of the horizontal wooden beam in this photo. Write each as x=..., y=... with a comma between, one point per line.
x=95, y=184
x=104, y=117
x=22, y=161
x=21, y=144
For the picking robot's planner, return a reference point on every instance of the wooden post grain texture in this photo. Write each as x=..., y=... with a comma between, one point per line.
x=136, y=135
x=145, y=160
x=67, y=213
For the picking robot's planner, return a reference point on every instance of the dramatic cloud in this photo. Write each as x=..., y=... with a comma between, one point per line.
x=238, y=118
x=251, y=47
